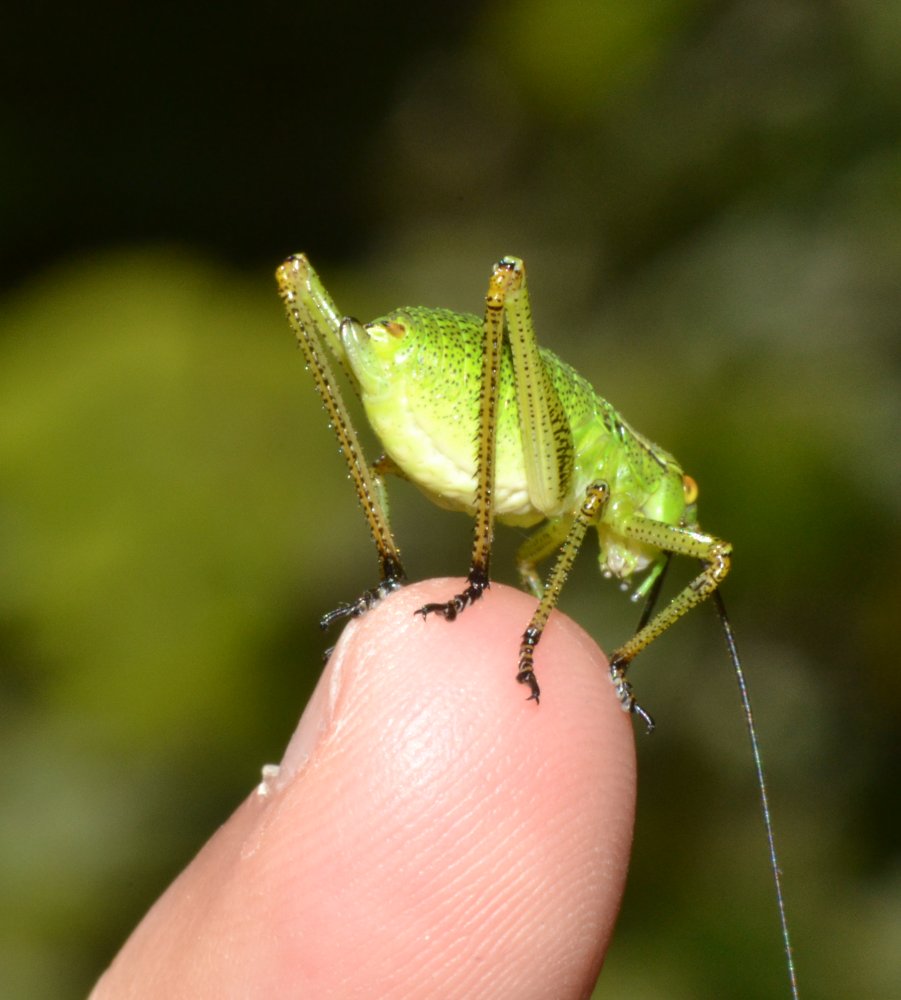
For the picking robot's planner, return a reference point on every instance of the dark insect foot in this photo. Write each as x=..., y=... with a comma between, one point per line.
x=367, y=600
x=526, y=673
x=448, y=610
x=528, y=677
x=624, y=692
x=459, y=602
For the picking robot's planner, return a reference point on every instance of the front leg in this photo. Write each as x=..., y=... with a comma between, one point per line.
x=316, y=323
x=367, y=600
x=391, y=573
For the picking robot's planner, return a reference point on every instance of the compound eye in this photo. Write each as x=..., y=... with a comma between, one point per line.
x=396, y=329
x=690, y=489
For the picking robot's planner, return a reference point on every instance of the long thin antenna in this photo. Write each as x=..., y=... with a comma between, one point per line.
x=761, y=784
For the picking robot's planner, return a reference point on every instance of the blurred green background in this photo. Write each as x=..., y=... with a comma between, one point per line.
x=708, y=198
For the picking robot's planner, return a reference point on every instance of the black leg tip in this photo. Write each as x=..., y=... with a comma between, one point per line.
x=447, y=611
x=459, y=602
x=528, y=677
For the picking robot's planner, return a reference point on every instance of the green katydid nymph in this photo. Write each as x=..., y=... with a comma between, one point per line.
x=472, y=411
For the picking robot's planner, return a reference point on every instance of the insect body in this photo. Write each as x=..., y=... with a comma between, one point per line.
x=482, y=420
x=548, y=450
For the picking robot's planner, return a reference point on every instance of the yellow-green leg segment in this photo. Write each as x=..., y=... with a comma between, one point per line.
x=715, y=556
x=589, y=513
x=315, y=321
x=506, y=279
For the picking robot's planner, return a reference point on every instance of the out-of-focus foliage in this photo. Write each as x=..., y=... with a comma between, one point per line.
x=708, y=199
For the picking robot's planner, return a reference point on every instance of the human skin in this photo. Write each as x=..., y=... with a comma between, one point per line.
x=431, y=833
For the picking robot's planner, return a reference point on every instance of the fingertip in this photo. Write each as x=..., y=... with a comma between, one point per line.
x=452, y=768
x=428, y=820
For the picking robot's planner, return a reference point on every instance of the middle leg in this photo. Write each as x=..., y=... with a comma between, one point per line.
x=589, y=513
